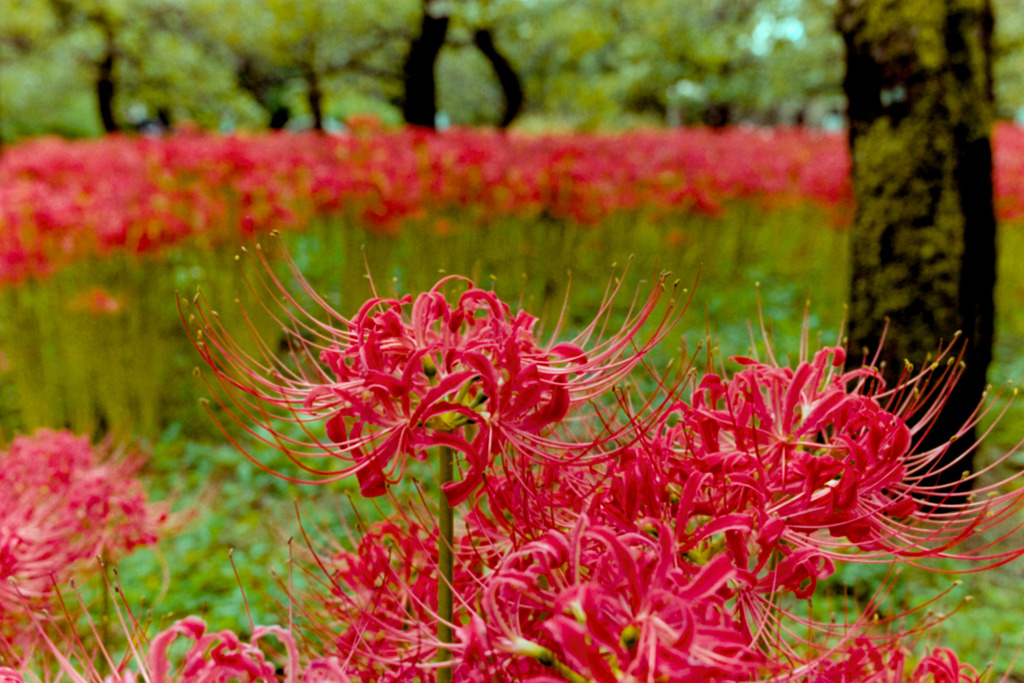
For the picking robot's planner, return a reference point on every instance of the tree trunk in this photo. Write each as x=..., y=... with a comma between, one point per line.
x=314, y=96
x=420, y=105
x=279, y=118
x=511, y=86
x=163, y=115
x=105, y=84
x=265, y=84
x=919, y=85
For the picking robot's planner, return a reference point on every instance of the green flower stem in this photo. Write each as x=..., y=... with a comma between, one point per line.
x=445, y=545
x=569, y=674
x=528, y=648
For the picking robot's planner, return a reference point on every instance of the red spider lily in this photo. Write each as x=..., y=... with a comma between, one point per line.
x=404, y=376
x=210, y=658
x=666, y=562
x=864, y=660
x=607, y=607
x=64, y=504
x=96, y=301
x=219, y=656
x=819, y=459
x=586, y=604
x=382, y=598
x=590, y=603
x=374, y=612
x=787, y=471
x=660, y=553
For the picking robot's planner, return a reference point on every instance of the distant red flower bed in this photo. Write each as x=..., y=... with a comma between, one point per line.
x=60, y=200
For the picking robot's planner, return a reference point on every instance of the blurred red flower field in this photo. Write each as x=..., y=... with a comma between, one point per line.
x=62, y=199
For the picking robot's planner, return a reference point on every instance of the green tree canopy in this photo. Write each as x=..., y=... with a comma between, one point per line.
x=580, y=62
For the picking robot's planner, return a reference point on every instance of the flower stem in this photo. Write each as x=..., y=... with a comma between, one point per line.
x=445, y=545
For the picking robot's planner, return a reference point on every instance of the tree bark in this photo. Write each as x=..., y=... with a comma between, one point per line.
x=163, y=115
x=105, y=87
x=511, y=86
x=420, y=104
x=919, y=86
x=279, y=118
x=314, y=96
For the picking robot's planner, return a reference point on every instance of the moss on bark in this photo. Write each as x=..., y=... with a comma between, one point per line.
x=923, y=243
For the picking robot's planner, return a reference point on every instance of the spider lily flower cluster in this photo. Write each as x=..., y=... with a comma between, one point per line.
x=609, y=529
x=206, y=656
x=604, y=538
x=683, y=555
x=402, y=377
x=64, y=503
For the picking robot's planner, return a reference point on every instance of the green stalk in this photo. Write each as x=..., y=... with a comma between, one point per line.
x=445, y=544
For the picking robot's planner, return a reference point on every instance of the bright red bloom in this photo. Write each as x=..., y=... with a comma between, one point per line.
x=612, y=606
x=62, y=200
x=97, y=301
x=663, y=560
x=64, y=503
x=403, y=376
x=208, y=658
x=943, y=666
x=654, y=546
x=821, y=459
x=381, y=601
x=216, y=657
x=866, y=660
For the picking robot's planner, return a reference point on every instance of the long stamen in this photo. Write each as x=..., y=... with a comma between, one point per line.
x=445, y=547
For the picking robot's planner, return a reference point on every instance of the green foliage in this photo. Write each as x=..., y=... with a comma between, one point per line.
x=162, y=60
x=467, y=90
x=588, y=62
x=1008, y=69
x=338, y=46
x=229, y=509
x=65, y=106
x=582, y=62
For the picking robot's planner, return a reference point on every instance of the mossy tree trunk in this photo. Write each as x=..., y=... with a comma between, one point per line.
x=919, y=84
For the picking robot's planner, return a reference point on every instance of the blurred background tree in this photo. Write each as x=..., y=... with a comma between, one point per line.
x=79, y=68
x=313, y=57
